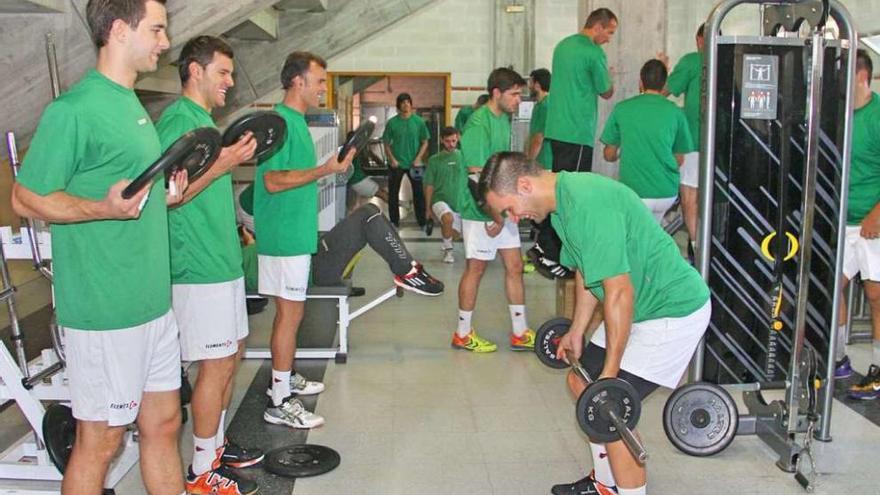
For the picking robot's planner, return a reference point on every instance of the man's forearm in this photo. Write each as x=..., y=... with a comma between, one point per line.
x=56, y=207
x=585, y=304
x=389, y=153
x=535, y=143
x=618, y=312
x=421, y=154
x=282, y=180
x=429, y=192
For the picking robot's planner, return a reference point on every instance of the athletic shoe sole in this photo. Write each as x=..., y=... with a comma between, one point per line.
x=295, y=392
x=475, y=351
x=521, y=348
x=844, y=377
x=276, y=421
x=417, y=291
x=243, y=464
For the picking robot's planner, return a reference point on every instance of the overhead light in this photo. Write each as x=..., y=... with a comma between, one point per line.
x=515, y=9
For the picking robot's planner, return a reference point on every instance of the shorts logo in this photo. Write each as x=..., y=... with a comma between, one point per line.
x=129, y=405
x=484, y=251
x=228, y=343
x=296, y=290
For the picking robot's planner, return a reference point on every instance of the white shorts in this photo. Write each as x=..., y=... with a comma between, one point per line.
x=109, y=370
x=689, y=172
x=286, y=277
x=660, y=350
x=367, y=188
x=659, y=206
x=440, y=208
x=212, y=318
x=861, y=256
x=478, y=245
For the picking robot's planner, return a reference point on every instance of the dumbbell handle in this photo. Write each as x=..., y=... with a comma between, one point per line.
x=629, y=438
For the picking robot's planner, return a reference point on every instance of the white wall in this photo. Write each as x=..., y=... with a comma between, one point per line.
x=554, y=20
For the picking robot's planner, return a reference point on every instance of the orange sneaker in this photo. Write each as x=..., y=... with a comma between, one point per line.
x=220, y=481
x=524, y=342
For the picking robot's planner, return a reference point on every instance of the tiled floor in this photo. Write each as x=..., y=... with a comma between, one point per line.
x=408, y=414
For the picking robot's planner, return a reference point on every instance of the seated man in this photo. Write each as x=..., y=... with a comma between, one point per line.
x=653, y=134
x=336, y=249
x=440, y=189
x=359, y=183
x=656, y=307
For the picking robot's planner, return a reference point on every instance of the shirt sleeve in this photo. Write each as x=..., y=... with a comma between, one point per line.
x=599, y=72
x=600, y=257
x=56, y=151
x=539, y=118
x=428, y=179
x=387, y=134
x=424, y=135
x=171, y=129
x=677, y=82
x=611, y=132
x=475, y=145
x=684, y=142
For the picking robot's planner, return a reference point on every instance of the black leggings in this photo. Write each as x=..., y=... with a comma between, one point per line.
x=365, y=225
x=395, y=177
x=593, y=359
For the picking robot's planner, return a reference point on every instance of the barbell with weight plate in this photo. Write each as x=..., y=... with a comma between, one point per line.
x=609, y=409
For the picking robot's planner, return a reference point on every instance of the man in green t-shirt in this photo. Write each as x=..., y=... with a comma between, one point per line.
x=655, y=306
x=488, y=132
x=539, y=148
x=687, y=78
x=286, y=217
x=465, y=113
x=580, y=77
x=441, y=183
x=110, y=255
x=861, y=255
x=653, y=134
x=406, y=141
x=207, y=282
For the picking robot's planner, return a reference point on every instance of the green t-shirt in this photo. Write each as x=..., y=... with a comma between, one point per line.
x=687, y=77
x=484, y=135
x=246, y=199
x=580, y=75
x=286, y=222
x=250, y=268
x=204, y=242
x=864, y=180
x=109, y=274
x=607, y=231
x=357, y=170
x=461, y=118
x=442, y=175
x=539, y=124
x=650, y=130
x=405, y=137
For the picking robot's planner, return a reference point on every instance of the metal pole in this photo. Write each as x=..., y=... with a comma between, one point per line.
x=847, y=34
x=53, y=65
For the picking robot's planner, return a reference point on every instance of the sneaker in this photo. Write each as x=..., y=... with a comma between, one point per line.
x=553, y=270
x=429, y=227
x=300, y=386
x=528, y=266
x=447, y=256
x=843, y=369
x=869, y=387
x=525, y=342
x=292, y=413
x=235, y=456
x=419, y=281
x=220, y=481
x=584, y=486
x=473, y=342
x=535, y=253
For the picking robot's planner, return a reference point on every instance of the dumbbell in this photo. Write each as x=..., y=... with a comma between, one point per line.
x=609, y=408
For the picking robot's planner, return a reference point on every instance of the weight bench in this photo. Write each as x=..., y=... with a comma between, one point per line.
x=321, y=311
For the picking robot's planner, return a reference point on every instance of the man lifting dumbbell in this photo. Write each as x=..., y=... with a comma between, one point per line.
x=656, y=307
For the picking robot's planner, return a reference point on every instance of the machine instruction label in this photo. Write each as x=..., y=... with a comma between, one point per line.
x=760, y=87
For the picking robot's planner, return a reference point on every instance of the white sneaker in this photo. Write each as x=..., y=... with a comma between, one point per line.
x=300, y=386
x=292, y=413
x=447, y=256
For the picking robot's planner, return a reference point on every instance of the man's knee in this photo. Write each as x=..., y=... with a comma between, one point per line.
x=872, y=293
x=163, y=421
x=474, y=267
x=368, y=210
x=97, y=440
x=218, y=368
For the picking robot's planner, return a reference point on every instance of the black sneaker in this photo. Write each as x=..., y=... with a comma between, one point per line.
x=583, y=486
x=429, y=227
x=356, y=291
x=236, y=456
x=220, y=481
x=419, y=281
x=535, y=253
x=553, y=270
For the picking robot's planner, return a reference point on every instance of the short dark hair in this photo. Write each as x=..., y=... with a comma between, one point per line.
x=542, y=77
x=100, y=15
x=701, y=31
x=448, y=131
x=483, y=99
x=502, y=170
x=601, y=16
x=864, y=62
x=402, y=97
x=297, y=64
x=653, y=75
x=200, y=50
x=504, y=79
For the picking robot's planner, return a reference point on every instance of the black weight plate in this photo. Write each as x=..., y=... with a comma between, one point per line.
x=592, y=415
x=268, y=128
x=547, y=341
x=358, y=140
x=59, y=433
x=196, y=150
x=300, y=461
x=700, y=419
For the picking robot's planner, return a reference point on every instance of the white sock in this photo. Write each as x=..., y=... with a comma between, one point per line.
x=876, y=359
x=518, y=319
x=464, y=323
x=601, y=466
x=841, y=343
x=220, y=438
x=280, y=386
x=203, y=454
x=447, y=243
x=642, y=490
